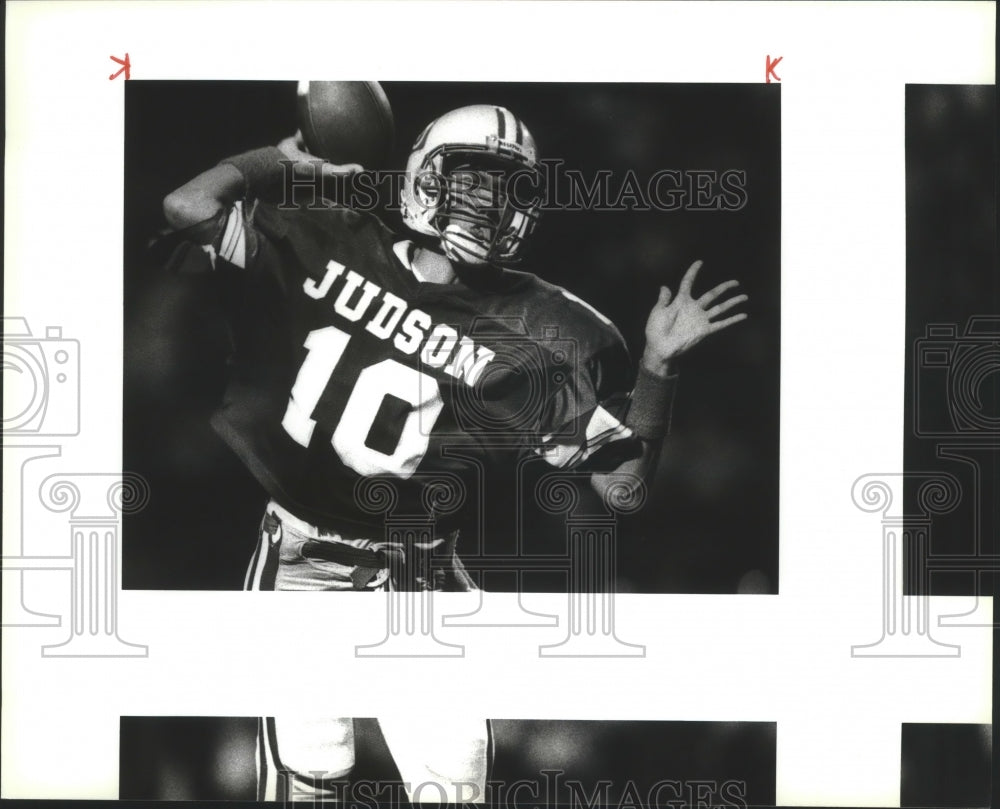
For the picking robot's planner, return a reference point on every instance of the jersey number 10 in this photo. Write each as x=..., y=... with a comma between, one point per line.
x=351, y=439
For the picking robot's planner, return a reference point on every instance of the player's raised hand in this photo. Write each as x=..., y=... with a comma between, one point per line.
x=294, y=148
x=678, y=324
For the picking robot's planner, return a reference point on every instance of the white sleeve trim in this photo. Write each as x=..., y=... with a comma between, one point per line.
x=233, y=245
x=602, y=429
x=583, y=303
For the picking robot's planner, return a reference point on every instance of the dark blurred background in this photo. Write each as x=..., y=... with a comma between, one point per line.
x=209, y=758
x=946, y=764
x=212, y=758
x=952, y=383
x=711, y=520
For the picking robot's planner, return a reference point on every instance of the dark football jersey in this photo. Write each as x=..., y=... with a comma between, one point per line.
x=359, y=392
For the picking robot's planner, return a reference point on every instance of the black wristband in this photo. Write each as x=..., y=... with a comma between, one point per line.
x=261, y=168
x=652, y=401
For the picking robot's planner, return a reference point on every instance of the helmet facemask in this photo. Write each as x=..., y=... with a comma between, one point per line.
x=484, y=205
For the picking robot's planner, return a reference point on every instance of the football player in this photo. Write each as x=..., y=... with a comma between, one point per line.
x=361, y=354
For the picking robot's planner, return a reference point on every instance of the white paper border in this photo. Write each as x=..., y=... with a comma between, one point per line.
x=784, y=658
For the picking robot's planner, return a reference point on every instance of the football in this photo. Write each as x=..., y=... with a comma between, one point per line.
x=346, y=121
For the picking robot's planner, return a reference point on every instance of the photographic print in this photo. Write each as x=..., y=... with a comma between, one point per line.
x=626, y=188
x=629, y=371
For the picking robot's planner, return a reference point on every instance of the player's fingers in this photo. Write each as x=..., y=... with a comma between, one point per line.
x=664, y=298
x=715, y=292
x=688, y=280
x=725, y=306
x=335, y=170
x=719, y=325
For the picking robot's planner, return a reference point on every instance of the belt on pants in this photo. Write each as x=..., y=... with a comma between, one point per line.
x=367, y=563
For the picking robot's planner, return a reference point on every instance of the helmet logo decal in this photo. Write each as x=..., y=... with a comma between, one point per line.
x=502, y=127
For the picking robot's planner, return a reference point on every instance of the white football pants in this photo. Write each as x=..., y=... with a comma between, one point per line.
x=441, y=758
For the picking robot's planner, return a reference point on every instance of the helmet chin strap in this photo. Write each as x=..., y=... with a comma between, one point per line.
x=433, y=267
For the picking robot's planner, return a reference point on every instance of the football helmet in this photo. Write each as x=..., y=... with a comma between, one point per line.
x=473, y=181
